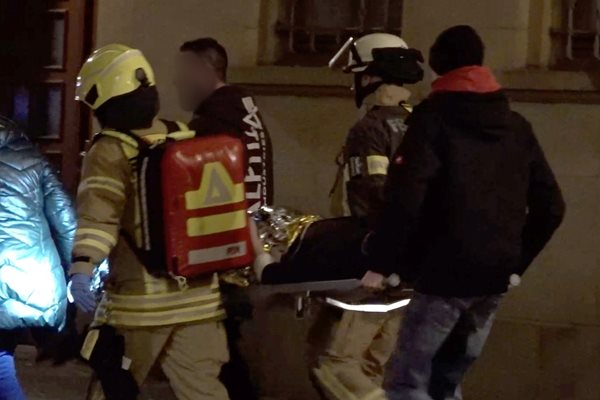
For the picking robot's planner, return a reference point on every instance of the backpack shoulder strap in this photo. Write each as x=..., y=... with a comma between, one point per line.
x=172, y=126
x=177, y=130
x=182, y=126
x=131, y=143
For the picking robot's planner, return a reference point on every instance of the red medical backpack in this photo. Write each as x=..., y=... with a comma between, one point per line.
x=192, y=205
x=204, y=206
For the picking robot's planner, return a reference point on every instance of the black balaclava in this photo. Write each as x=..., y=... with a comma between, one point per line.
x=394, y=65
x=456, y=47
x=135, y=110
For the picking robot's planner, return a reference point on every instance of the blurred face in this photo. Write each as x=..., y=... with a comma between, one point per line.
x=195, y=80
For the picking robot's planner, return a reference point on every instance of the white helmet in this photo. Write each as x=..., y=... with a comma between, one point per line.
x=382, y=55
x=361, y=50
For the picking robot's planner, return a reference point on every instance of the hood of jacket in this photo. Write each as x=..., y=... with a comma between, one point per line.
x=11, y=135
x=471, y=99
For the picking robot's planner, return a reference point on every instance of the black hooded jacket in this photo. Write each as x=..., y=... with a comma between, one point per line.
x=470, y=198
x=231, y=110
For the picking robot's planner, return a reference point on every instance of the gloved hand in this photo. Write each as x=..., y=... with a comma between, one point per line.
x=82, y=296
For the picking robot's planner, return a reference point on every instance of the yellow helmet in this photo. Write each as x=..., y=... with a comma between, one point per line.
x=112, y=71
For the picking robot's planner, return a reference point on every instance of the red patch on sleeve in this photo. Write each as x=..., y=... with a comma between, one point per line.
x=399, y=160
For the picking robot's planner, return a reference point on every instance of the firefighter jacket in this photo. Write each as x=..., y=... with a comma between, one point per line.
x=365, y=158
x=110, y=226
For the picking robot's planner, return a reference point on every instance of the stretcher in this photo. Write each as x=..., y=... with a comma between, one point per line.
x=345, y=294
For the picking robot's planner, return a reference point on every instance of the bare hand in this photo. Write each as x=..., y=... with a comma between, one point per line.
x=373, y=280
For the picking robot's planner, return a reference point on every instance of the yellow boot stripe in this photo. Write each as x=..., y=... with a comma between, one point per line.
x=332, y=385
x=377, y=394
x=337, y=389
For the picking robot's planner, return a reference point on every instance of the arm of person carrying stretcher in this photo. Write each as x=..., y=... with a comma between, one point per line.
x=101, y=200
x=415, y=164
x=273, y=269
x=367, y=151
x=367, y=161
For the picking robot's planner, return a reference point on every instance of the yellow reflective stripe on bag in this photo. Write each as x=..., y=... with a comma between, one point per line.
x=212, y=224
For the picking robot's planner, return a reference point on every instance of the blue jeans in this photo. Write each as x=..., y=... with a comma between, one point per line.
x=440, y=339
x=10, y=389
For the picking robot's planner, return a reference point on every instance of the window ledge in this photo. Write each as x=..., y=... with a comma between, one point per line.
x=540, y=79
x=525, y=85
x=283, y=75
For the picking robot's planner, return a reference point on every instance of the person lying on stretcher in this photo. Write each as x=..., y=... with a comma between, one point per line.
x=293, y=248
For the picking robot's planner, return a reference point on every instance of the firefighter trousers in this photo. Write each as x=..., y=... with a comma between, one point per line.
x=352, y=366
x=191, y=356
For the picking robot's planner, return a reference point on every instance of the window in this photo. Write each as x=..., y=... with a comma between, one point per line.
x=313, y=30
x=576, y=36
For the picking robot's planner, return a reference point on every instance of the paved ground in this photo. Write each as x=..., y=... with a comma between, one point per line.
x=43, y=381
x=274, y=342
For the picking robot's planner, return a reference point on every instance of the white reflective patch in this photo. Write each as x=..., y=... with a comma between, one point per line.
x=370, y=308
x=397, y=125
x=126, y=363
x=70, y=297
x=220, y=253
x=355, y=167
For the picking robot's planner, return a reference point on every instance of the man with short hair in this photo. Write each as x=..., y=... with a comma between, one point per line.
x=201, y=81
x=471, y=201
x=219, y=107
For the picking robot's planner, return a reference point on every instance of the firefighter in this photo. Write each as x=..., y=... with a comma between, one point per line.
x=352, y=365
x=179, y=326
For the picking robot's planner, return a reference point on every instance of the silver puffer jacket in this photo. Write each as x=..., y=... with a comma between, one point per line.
x=37, y=228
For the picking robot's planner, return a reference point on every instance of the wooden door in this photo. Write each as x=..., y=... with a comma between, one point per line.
x=50, y=39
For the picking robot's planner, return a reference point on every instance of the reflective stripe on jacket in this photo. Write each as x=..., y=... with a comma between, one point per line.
x=108, y=209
